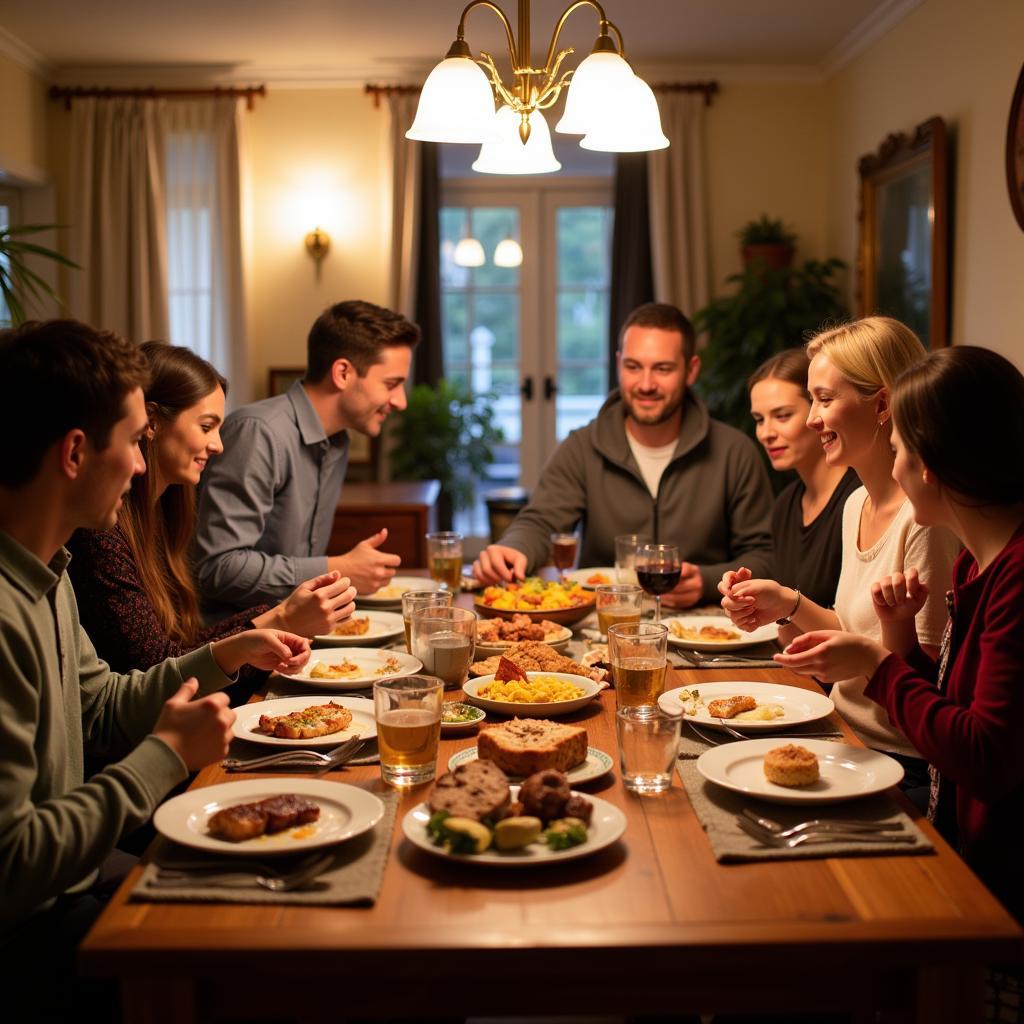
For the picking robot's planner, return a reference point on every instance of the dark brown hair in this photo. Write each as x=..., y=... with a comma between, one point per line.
x=58, y=376
x=356, y=331
x=159, y=529
x=664, y=317
x=791, y=364
x=961, y=411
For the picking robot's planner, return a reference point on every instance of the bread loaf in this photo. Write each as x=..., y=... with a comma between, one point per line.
x=525, y=746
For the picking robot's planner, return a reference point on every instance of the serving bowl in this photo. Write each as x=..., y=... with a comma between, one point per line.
x=471, y=688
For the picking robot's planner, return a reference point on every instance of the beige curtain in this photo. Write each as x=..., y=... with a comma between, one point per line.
x=405, y=202
x=678, y=210
x=117, y=219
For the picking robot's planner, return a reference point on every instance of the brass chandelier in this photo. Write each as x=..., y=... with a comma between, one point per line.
x=611, y=107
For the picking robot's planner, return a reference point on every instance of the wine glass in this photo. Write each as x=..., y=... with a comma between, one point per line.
x=563, y=552
x=658, y=570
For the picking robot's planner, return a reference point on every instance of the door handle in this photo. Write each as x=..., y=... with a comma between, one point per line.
x=526, y=390
x=550, y=388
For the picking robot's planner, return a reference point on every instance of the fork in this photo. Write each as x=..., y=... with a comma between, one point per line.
x=823, y=825
x=789, y=842
x=295, y=758
x=696, y=658
x=274, y=881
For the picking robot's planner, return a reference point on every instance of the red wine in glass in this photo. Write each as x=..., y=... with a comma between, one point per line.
x=658, y=570
x=563, y=551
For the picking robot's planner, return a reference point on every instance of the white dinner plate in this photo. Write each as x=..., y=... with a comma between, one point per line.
x=606, y=825
x=557, y=641
x=759, y=636
x=582, y=576
x=598, y=763
x=383, y=626
x=846, y=772
x=247, y=720
x=345, y=812
x=471, y=688
x=373, y=664
x=391, y=595
x=798, y=705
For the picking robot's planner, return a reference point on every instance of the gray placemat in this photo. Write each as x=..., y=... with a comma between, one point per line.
x=353, y=879
x=717, y=808
x=692, y=744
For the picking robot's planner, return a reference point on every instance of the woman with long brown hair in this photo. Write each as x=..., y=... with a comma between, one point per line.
x=134, y=583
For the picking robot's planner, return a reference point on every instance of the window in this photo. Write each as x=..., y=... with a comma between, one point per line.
x=8, y=215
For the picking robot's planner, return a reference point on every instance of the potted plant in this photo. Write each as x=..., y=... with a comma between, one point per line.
x=17, y=280
x=447, y=434
x=767, y=240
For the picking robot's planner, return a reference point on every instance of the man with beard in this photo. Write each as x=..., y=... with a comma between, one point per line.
x=267, y=504
x=653, y=462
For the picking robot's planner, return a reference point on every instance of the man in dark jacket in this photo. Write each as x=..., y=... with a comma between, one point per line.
x=652, y=462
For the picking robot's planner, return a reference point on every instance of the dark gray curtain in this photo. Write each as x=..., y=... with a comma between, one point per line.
x=429, y=364
x=632, y=277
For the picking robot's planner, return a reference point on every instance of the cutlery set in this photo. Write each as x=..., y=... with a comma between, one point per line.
x=734, y=734
x=302, y=760
x=821, y=830
x=238, y=874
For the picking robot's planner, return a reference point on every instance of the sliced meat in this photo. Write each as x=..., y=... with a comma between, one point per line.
x=235, y=824
x=288, y=810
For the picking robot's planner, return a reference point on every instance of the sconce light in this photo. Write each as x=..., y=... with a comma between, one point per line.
x=318, y=245
x=469, y=253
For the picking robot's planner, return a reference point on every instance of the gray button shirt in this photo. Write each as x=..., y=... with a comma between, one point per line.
x=266, y=505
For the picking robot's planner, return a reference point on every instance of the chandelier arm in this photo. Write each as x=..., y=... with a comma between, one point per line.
x=504, y=20
x=618, y=36
x=487, y=63
x=565, y=15
x=550, y=90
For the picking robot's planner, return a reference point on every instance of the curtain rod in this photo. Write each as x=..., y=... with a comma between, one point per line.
x=376, y=91
x=68, y=93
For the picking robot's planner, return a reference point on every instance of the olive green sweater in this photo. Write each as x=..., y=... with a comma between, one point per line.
x=57, y=700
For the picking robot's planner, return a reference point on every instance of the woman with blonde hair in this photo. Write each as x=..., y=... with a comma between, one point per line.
x=851, y=374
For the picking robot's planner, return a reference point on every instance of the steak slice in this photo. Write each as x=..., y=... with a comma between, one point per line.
x=288, y=810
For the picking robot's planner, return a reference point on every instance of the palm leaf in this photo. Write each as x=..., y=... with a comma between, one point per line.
x=16, y=278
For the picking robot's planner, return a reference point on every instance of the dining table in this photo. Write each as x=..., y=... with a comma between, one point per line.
x=651, y=925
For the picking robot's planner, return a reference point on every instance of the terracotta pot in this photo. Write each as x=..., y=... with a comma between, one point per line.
x=775, y=255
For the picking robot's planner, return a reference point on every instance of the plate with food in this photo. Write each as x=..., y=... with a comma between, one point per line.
x=459, y=717
x=564, y=603
x=474, y=816
x=746, y=706
x=353, y=668
x=264, y=817
x=799, y=771
x=305, y=721
x=363, y=627
x=540, y=695
x=391, y=595
x=495, y=636
x=535, y=656
x=591, y=579
x=715, y=633
x=595, y=764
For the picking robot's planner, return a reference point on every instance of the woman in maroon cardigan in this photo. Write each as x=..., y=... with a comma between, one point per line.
x=134, y=585
x=959, y=434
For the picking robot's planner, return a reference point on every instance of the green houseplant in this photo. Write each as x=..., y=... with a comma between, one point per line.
x=17, y=280
x=767, y=240
x=448, y=434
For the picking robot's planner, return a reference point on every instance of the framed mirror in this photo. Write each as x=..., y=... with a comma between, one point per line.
x=903, y=257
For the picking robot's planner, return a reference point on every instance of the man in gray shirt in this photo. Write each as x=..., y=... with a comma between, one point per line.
x=267, y=504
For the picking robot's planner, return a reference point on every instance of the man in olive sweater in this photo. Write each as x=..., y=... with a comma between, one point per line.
x=72, y=416
x=652, y=462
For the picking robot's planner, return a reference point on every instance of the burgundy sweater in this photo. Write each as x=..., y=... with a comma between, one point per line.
x=974, y=731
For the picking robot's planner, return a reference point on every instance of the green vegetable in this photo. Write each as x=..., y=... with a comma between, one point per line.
x=564, y=833
x=455, y=714
x=458, y=835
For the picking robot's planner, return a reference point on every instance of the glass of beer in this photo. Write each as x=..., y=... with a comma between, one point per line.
x=414, y=600
x=625, y=555
x=408, y=713
x=444, y=640
x=618, y=602
x=563, y=552
x=444, y=557
x=638, y=652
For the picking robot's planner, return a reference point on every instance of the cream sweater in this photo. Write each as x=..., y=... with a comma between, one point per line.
x=904, y=545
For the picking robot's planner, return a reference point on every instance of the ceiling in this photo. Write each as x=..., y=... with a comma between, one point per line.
x=350, y=40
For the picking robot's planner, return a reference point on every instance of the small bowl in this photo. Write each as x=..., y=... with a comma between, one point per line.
x=478, y=716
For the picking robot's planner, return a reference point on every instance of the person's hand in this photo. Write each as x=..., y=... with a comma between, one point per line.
x=365, y=565
x=831, y=654
x=314, y=607
x=499, y=564
x=898, y=598
x=753, y=603
x=198, y=731
x=687, y=591
x=271, y=649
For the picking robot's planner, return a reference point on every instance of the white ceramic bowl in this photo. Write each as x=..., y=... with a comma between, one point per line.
x=591, y=689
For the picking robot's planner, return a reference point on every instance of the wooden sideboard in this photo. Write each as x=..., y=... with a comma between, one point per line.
x=406, y=509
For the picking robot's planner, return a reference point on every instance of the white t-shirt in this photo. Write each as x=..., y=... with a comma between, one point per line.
x=652, y=461
x=904, y=545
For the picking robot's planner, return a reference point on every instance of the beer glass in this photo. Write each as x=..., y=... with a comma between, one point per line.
x=618, y=602
x=444, y=558
x=413, y=600
x=638, y=652
x=563, y=552
x=408, y=713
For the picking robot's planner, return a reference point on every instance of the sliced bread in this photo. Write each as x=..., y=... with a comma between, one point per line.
x=527, y=745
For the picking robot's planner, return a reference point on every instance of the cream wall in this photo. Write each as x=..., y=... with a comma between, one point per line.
x=959, y=61
x=23, y=112
x=315, y=158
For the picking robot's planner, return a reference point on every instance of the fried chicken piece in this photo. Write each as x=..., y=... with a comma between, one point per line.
x=534, y=656
x=729, y=707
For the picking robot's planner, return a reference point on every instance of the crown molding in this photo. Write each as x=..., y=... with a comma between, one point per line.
x=23, y=55
x=883, y=18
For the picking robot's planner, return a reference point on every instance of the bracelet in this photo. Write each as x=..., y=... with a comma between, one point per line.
x=788, y=619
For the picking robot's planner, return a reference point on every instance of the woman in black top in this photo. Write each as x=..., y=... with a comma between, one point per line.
x=807, y=520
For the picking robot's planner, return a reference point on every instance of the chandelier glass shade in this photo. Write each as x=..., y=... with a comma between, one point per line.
x=504, y=153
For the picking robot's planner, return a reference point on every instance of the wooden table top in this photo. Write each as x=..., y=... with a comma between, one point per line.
x=656, y=903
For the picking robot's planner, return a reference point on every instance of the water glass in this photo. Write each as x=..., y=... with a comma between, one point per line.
x=618, y=602
x=444, y=558
x=444, y=640
x=638, y=652
x=408, y=713
x=648, y=747
x=414, y=600
x=625, y=555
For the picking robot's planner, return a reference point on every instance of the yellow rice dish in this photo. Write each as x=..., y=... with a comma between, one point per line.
x=535, y=595
x=536, y=690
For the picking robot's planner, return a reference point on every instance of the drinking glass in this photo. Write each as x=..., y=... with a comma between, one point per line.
x=563, y=552
x=444, y=556
x=625, y=555
x=413, y=600
x=658, y=570
x=638, y=652
x=408, y=713
x=648, y=747
x=618, y=602
x=444, y=640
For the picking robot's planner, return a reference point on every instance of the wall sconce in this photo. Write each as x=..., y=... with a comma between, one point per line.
x=318, y=245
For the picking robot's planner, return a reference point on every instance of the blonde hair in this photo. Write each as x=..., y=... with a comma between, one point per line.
x=870, y=353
